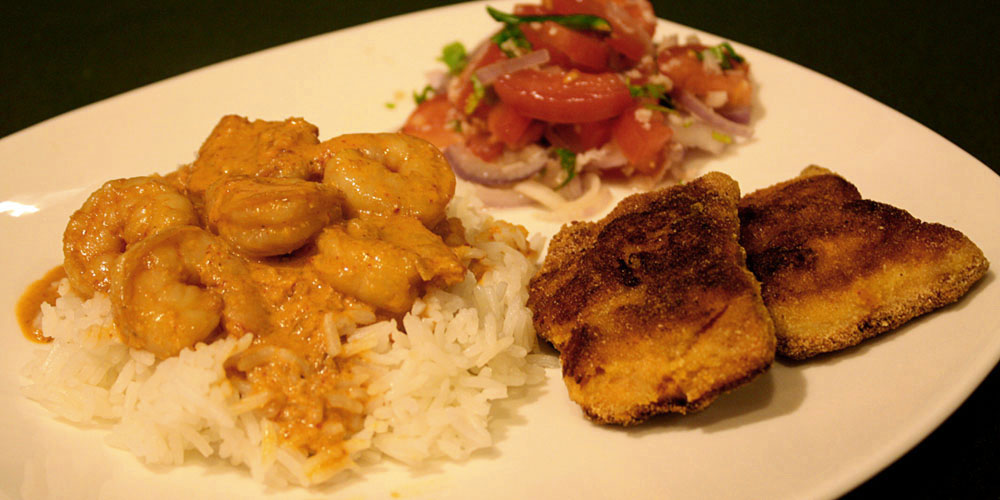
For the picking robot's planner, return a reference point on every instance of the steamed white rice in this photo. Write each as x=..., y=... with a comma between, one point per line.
x=430, y=389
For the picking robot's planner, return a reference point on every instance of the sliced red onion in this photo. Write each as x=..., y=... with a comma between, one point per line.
x=668, y=168
x=709, y=116
x=472, y=168
x=573, y=189
x=438, y=80
x=697, y=134
x=594, y=197
x=607, y=156
x=489, y=73
x=502, y=197
x=738, y=115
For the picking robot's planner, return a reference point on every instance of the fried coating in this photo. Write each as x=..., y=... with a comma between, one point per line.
x=653, y=308
x=836, y=269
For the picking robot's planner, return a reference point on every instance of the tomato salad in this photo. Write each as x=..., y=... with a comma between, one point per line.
x=572, y=91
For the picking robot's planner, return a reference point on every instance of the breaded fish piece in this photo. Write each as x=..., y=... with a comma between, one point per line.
x=653, y=308
x=836, y=269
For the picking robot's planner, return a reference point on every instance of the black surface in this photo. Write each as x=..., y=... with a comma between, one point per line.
x=936, y=62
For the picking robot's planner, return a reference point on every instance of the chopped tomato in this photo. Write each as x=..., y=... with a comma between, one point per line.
x=631, y=28
x=642, y=12
x=560, y=96
x=511, y=128
x=483, y=146
x=567, y=47
x=687, y=72
x=579, y=137
x=463, y=88
x=430, y=122
x=642, y=136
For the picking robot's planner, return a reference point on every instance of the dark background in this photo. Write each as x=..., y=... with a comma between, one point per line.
x=936, y=62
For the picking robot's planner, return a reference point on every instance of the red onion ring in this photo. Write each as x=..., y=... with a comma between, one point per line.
x=573, y=189
x=489, y=73
x=738, y=115
x=502, y=197
x=710, y=117
x=607, y=157
x=472, y=168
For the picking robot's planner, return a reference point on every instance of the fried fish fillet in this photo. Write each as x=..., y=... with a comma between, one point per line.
x=836, y=269
x=653, y=308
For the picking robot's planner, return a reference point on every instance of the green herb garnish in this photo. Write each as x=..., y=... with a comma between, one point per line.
x=723, y=138
x=512, y=27
x=511, y=33
x=478, y=92
x=576, y=21
x=731, y=52
x=567, y=160
x=390, y=105
x=423, y=95
x=453, y=55
x=660, y=108
x=653, y=90
x=724, y=53
x=456, y=125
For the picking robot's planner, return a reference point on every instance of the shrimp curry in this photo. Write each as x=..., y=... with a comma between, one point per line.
x=272, y=233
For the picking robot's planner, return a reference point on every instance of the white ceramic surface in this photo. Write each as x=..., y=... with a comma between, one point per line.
x=799, y=431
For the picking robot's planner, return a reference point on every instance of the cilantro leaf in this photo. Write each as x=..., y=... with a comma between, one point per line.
x=512, y=33
x=423, y=95
x=724, y=53
x=722, y=137
x=652, y=90
x=453, y=55
x=478, y=92
x=660, y=108
x=567, y=160
x=575, y=21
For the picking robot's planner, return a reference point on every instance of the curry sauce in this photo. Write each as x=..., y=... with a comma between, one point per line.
x=29, y=306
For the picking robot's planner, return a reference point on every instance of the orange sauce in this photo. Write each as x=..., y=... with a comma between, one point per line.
x=29, y=305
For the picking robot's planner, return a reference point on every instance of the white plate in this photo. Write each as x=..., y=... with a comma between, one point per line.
x=800, y=431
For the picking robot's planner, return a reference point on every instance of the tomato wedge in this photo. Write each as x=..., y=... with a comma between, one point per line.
x=579, y=137
x=687, y=72
x=642, y=12
x=559, y=96
x=641, y=140
x=567, y=47
x=632, y=22
x=511, y=128
x=430, y=123
x=484, y=146
x=523, y=9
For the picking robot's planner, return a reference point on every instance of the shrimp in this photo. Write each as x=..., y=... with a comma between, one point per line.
x=387, y=174
x=122, y=212
x=263, y=216
x=385, y=261
x=182, y=286
x=260, y=148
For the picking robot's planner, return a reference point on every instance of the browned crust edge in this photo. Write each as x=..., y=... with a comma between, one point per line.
x=642, y=413
x=951, y=288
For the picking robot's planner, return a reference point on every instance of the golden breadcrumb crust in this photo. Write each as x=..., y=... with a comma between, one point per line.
x=836, y=269
x=653, y=308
